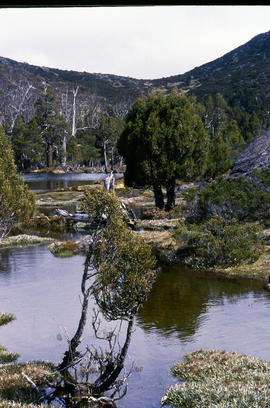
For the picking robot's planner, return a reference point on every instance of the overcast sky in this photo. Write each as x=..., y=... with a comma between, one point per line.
x=140, y=42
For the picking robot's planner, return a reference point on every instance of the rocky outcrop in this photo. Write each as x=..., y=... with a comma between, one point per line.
x=255, y=156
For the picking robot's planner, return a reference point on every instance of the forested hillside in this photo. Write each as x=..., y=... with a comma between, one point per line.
x=57, y=117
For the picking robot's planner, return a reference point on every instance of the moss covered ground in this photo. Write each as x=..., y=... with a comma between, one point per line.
x=217, y=379
x=23, y=240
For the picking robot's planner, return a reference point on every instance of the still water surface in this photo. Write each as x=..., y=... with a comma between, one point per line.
x=185, y=311
x=42, y=182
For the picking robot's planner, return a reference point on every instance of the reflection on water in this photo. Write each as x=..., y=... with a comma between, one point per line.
x=180, y=299
x=42, y=182
x=185, y=311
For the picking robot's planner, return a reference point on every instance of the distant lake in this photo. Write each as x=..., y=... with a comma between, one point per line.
x=42, y=182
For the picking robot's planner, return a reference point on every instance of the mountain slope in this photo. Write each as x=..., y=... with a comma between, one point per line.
x=242, y=76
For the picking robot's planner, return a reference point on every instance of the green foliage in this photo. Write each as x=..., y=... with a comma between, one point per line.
x=107, y=133
x=219, y=158
x=224, y=134
x=164, y=139
x=89, y=154
x=7, y=356
x=27, y=144
x=5, y=318
x=124, y=262
x=221, y=380
x=216, y=243
x=230, y=198
x=52, y=124
x=101, y=205
x=17, y=202
x=263, y=176
x=126, y=271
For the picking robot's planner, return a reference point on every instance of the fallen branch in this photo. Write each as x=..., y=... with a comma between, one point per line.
x=30, y=381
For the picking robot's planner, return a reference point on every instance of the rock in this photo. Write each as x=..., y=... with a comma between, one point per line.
x=80, y=217
x=81, y=226
x=62, y=213
x=255, y=156
x=75, y=217
x=83, y=244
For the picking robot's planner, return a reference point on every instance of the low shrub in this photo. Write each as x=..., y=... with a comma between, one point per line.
x=216, y=243
x=221, y=380
x=241, y=199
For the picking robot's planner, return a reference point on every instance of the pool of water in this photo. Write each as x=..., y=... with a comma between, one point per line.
x=185, y=311
x=42, y=182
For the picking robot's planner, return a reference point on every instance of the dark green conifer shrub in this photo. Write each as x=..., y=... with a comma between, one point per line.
x=217, y=243
x=240, y=199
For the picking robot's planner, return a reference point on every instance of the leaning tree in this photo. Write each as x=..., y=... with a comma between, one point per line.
x=119, y=271
x=164, y=139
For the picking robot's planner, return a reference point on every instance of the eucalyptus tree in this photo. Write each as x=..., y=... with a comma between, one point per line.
x=53, y=125
x=163, y=140
x=107, y=132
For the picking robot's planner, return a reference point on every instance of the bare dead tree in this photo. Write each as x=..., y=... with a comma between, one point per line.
x=18, y=93
x=73, y=131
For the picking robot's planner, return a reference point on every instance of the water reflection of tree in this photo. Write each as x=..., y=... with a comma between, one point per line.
x=180, y=298
x=119, y=271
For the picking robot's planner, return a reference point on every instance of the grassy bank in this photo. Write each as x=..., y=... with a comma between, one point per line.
x=16, y=380
x=221, y=380
x=23, y=240
x=16, y=389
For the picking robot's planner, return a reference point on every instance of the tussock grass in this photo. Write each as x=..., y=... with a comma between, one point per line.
x=12, y=404
x=218, y=379
x=23, y=240
x=15, y=390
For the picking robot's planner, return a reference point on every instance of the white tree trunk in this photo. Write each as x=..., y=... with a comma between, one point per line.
x=105, y=157
x=73, y=132
x=19, y=107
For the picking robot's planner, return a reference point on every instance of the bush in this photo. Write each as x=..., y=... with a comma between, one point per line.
x=216, y=243
x=229, y=199
x=17, y=202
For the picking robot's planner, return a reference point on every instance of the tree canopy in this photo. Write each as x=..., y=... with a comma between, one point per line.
x=17, y=202
x=164, y=139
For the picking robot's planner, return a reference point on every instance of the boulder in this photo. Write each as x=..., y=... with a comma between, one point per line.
x=255, y=156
